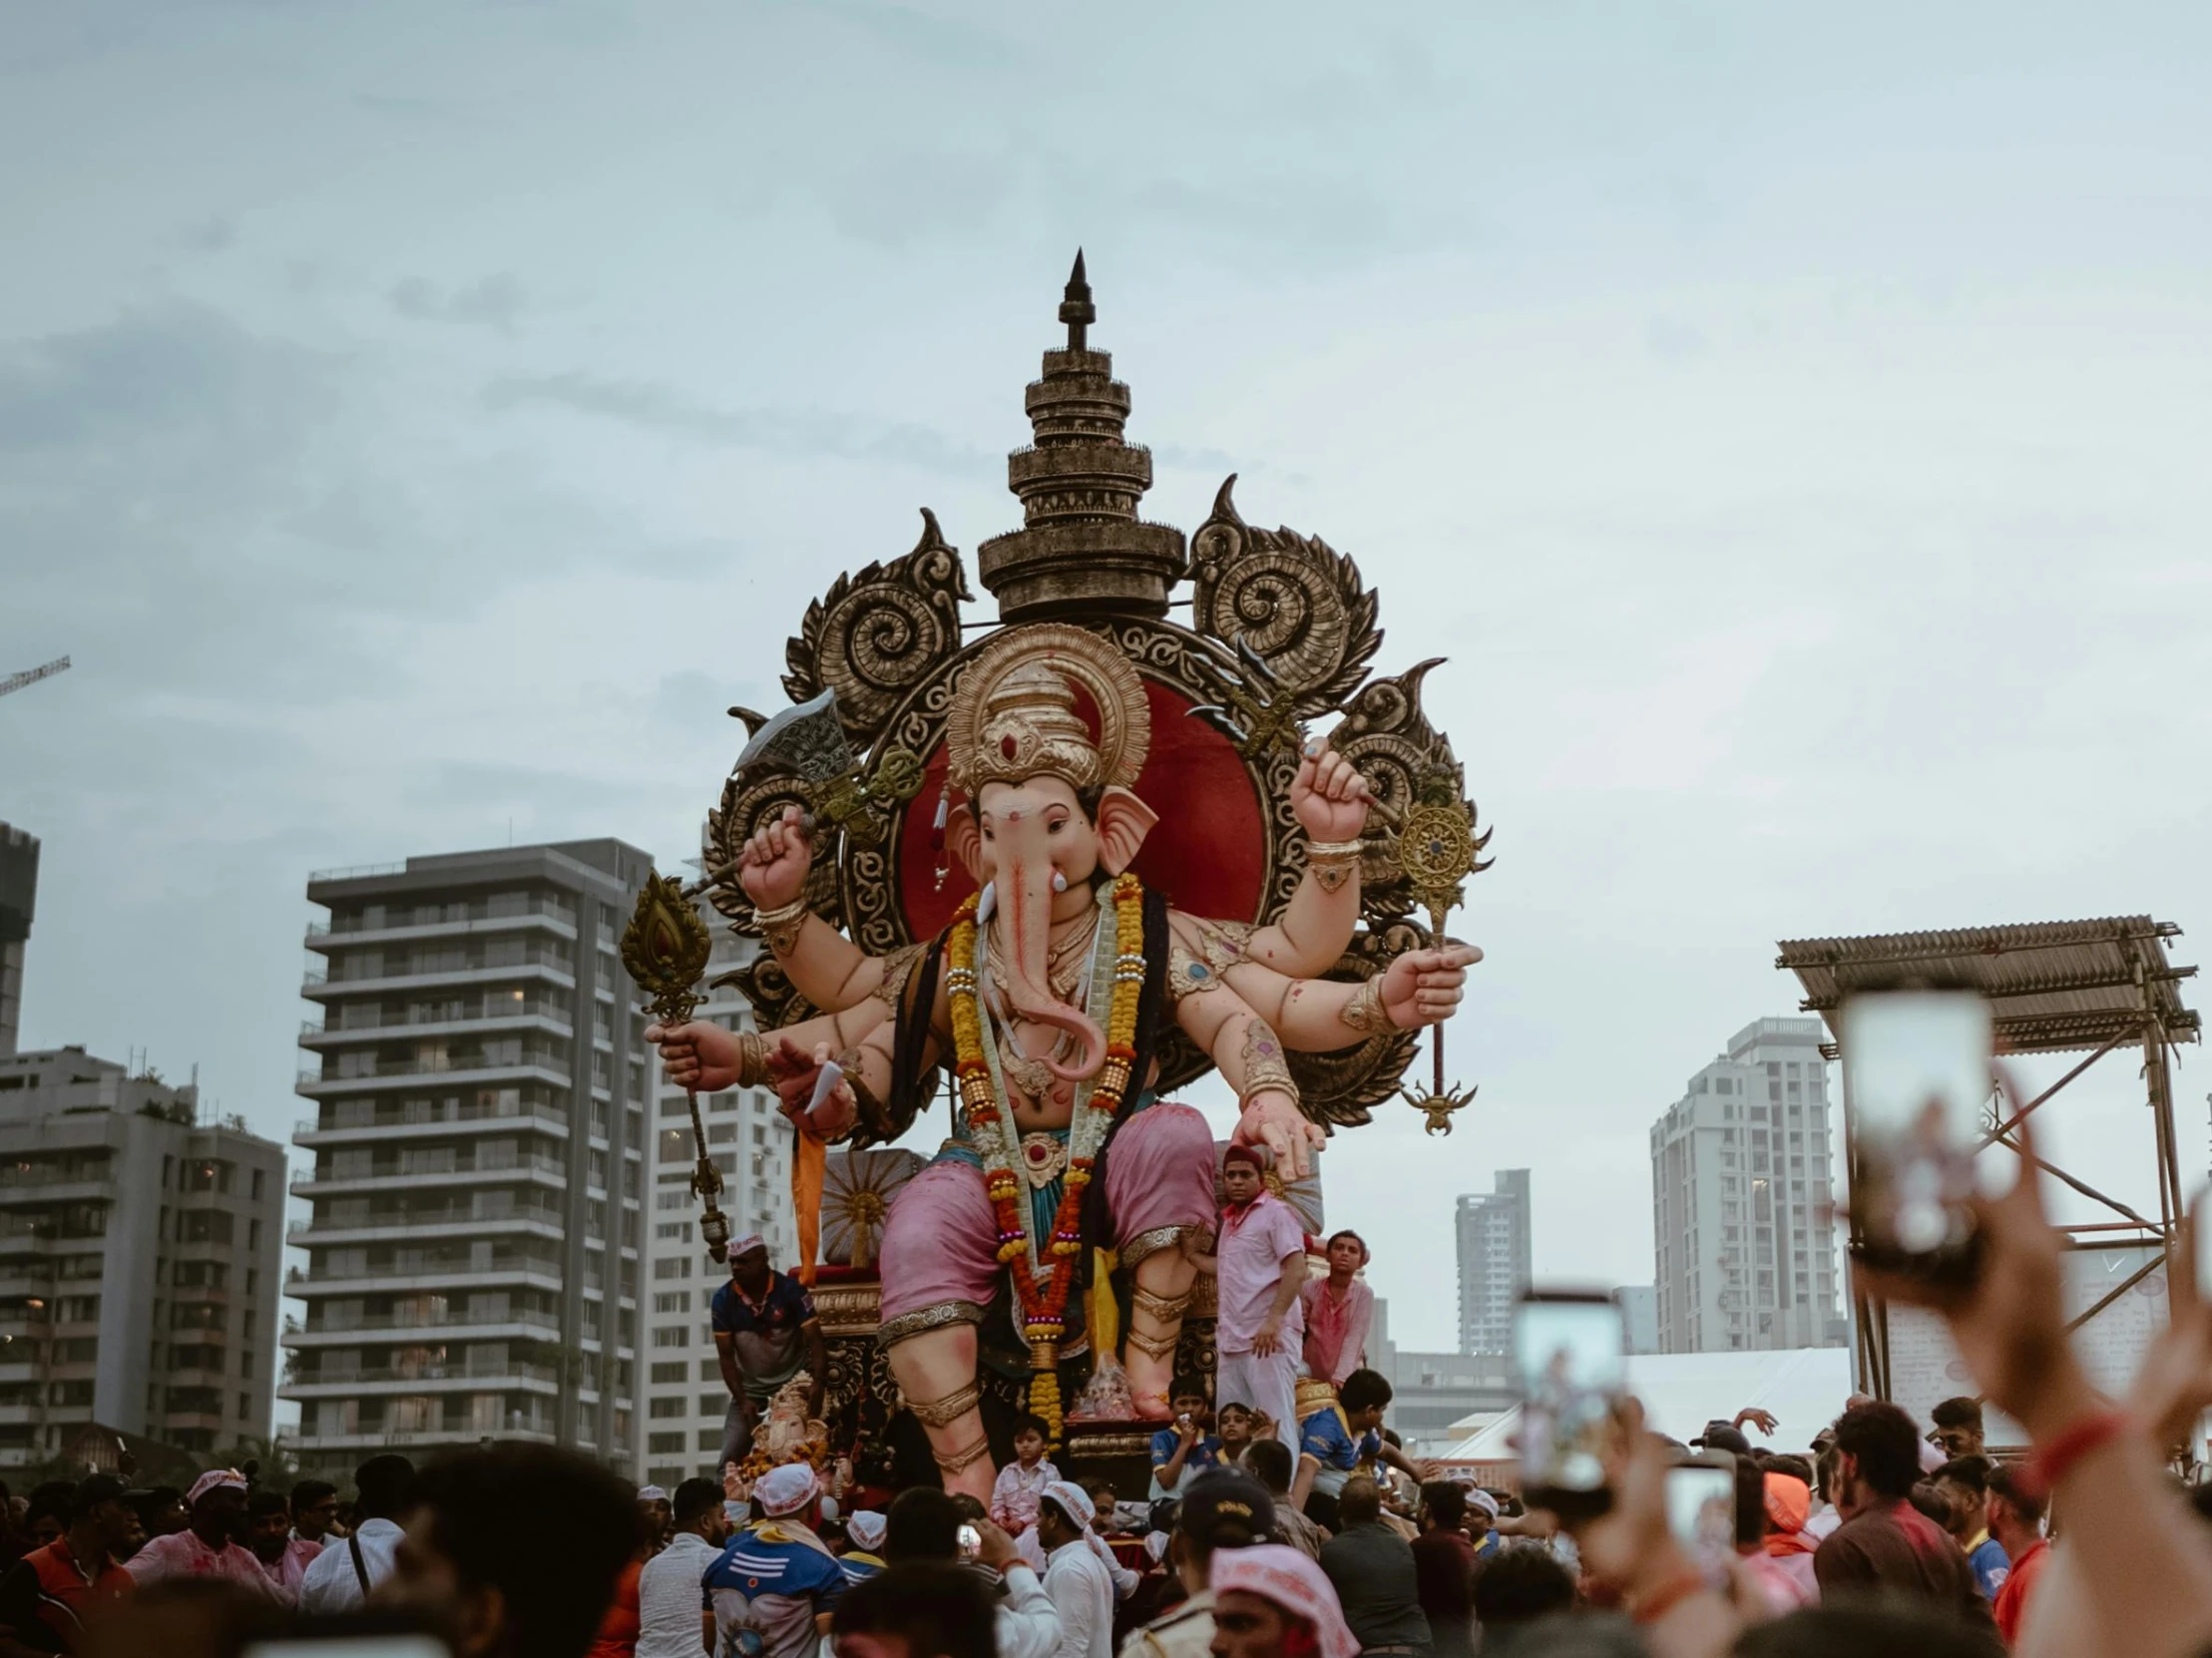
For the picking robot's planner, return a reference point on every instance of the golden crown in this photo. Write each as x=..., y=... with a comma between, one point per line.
x=1015, y=715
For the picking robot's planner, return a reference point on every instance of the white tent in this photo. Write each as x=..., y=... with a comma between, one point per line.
x=1805, y=1389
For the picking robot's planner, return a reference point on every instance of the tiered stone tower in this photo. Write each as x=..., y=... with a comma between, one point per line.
x=1080, y=547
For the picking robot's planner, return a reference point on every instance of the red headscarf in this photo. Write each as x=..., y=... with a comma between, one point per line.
x=1789, y=1500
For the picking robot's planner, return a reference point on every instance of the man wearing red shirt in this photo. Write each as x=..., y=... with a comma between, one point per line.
x=1886, y=1545
x=47, y=1596
x=2015, y=1519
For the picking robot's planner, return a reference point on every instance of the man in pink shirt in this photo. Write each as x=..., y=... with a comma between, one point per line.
x=1258, y=1266
x=205, y=1547
x=1338, y=1310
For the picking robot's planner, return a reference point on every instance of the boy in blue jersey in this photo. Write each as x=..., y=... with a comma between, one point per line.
x=1335, y=1440
x=1964, y=1483
x=1183, y=1446
x=772, y=1587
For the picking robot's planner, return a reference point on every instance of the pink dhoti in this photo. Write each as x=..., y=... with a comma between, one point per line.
x=940, y=1254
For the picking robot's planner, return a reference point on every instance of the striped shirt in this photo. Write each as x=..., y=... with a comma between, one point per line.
x=766, y=1589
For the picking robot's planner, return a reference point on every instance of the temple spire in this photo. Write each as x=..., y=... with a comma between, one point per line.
x=1081, y=550
x=1076, y=308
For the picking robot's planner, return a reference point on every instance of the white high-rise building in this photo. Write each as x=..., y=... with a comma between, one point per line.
x=1741, y=1184
x=750, y=1142
x=1492, y=1229
x=140, y=1246
x=480, y=1144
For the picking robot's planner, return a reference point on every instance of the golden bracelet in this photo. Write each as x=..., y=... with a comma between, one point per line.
x=781, y=926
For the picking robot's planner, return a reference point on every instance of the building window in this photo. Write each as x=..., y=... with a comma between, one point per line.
x=672, y=1335
x=668, y=1445
x=677, y=1370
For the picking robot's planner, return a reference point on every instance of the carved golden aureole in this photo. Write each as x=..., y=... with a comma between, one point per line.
x=1283, y=632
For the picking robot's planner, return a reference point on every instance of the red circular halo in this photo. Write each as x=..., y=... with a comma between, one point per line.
x=1209, y=852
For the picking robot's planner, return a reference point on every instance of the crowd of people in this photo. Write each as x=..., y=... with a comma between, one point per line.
x=1287, y=1525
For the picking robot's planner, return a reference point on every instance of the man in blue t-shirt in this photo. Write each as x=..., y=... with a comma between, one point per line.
x=1964, y=1484
x=1337, y=1439
x=774, y=1583
x=765, y=1332
x=1183, y=1447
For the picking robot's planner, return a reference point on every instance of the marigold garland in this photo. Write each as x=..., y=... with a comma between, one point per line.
x=1044, y=1304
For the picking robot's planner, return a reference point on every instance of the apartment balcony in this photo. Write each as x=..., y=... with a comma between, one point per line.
x=396, y=1279
x=541, y=918
x=319, y=1085
x=13, y=1416
x=540, y=966
x=457, y=1327
x=30, y=1278
x=383, y=1382
x=37, y=1184
x=455, y=1221
x=539, y=1119
x=25, y=1368
x=462, y=1437
x=548, y=1019
x=543, y=1171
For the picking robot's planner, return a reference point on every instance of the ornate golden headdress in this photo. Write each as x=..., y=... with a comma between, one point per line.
x=1015, y=713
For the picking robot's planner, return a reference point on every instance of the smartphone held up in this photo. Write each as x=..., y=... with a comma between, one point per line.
x=1915, y=1077
x=1569, y=1348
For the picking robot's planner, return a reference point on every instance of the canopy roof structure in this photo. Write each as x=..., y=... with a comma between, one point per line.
x=2053, y=986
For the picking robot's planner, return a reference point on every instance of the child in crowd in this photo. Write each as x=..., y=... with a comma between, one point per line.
x=1021, y=1484
x=1235, y=1425
x=1183, y=1447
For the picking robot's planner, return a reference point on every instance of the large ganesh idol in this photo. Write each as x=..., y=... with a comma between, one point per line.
x=1145, y=895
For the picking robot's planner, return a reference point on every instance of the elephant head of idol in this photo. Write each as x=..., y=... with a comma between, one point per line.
x=1048, y=809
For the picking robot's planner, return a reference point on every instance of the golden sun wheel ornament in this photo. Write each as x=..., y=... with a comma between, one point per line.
x=1438, y=849
x=665, y=948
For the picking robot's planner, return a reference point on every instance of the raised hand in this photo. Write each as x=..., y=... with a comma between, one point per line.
x=1423, y=987
x=2009, y=1325
x=772, y=867
x=1328, y=796
x=697, y=1055
x=1764, y=1421
x=2174, y=1387
x=1273, y=1119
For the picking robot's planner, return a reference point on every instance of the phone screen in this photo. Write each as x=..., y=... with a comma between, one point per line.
x=1568, y=1351
x=1702, y=1510
x=1916, y=1076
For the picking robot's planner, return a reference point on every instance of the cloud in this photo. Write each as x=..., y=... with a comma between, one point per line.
x=496, y=302
x=784, y=431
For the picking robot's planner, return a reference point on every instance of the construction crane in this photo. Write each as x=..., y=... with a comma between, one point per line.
x=32, y=675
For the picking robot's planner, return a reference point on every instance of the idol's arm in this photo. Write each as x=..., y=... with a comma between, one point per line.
x=1317, y=1015
x=1329, y=798
x=824, y=966
x=708, y=1058
x=1249, y=1055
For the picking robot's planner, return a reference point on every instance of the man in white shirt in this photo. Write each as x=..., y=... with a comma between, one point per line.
x=1075, y=1579
x=672, y=1617
x=342, y=1575
x=924, y=1525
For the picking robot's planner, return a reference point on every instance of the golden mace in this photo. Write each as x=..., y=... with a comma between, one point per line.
x=1438, y=849
x=665, y=948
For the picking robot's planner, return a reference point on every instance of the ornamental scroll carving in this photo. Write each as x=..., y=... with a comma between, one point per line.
x=875, y=635
x=1290, y=599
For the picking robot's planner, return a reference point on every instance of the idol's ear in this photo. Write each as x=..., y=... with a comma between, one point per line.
x=1123, y=822
x=965, y=841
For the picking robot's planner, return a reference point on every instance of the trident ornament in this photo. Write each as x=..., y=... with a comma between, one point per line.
x=665, y=948
x=1438, y=849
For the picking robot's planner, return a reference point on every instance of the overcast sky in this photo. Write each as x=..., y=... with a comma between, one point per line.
x=420, y=421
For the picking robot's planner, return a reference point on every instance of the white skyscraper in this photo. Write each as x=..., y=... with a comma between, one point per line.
x=479, y=1145
x=751, y=1144
x=1741, y=1183
x=1492, y=1230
